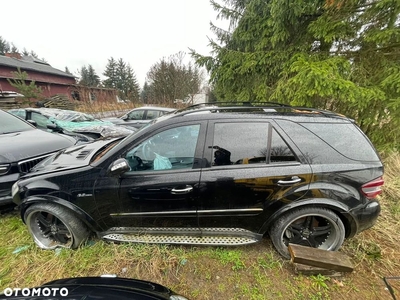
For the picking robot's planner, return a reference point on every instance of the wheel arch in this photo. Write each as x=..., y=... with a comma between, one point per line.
x=81, y=214
x=340, y=209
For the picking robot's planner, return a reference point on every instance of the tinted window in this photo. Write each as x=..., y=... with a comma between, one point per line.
x=240, y=143
x=136, y=115
x=317, y=142
x=169, y=149
x=152, y=114
x=10, y=123
x=280, y=151
x=344, y=138
x=41, y=121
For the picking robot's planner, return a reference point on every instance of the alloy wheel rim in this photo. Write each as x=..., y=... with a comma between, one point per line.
x=48, y=231
x=313, y=231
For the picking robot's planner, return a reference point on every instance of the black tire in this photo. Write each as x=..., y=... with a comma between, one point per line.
x=308, y=226
x=53, y=226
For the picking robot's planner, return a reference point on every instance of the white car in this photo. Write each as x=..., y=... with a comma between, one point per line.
x=139, y=117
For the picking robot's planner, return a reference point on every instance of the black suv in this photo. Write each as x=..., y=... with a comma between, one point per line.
x=211, y=175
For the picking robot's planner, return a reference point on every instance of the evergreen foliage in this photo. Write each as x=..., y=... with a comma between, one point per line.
x=120, y=75
x=329, y=54
x=4, y=46
x=30, y=91
x=67, y=71
x=144, y=94
x=7, y=47
x=89, y=77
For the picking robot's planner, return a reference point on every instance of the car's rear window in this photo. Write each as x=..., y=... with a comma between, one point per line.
x=346, y=138
x=11, y=124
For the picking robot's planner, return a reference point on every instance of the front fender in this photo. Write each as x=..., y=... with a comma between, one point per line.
x=81, y=214
x=339, y=208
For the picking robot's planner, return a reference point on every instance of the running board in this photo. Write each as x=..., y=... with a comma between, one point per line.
x=186, y=236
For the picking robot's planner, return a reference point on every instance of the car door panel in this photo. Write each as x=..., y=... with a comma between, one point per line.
x=165, y=198
x=153, y=194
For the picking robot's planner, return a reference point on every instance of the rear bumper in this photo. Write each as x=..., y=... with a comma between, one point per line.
x=364, y=216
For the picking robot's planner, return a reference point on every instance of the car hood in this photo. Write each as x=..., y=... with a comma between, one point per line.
x=114, y=286
x=104, y=129
x=102, y=288
x=31, y=143
x=72, y=157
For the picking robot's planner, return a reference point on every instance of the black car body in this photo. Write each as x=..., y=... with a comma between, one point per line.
x=212, y=176
x=69, y=122
x=138, y=117
x=21, y=147
x=94, y=288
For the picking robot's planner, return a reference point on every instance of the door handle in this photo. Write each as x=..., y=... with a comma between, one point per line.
x=185, y=190
x=293, y=180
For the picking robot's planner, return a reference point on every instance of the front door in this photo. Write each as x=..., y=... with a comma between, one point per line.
x=161, y=190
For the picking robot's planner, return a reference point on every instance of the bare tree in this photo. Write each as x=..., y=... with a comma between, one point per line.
x=172, y=79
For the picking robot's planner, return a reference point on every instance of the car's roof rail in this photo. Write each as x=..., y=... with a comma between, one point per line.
x=236, y=104
x=264, y=107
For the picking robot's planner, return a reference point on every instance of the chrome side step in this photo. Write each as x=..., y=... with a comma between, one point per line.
x=188, y=236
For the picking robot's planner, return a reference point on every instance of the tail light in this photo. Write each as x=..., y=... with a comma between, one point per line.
x=373, y=188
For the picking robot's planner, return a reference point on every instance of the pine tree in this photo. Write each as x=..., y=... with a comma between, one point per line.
x=67, y=71
x=330, y=54
x=132, y=85
x=89, y=77
x=4, y=46
x=30, y=91
x=25, y=52
x=14, y=48
x=145, y=94
x=111, y=74
x=121, y=76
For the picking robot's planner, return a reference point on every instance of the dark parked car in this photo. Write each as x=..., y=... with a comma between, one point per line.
x=211, y=175
x=21, y=147
x=139, y=117
x=71, y=122
x=94, y=288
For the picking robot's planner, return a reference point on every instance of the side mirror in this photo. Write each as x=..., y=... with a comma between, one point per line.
x=124, y=117
x=118, y=167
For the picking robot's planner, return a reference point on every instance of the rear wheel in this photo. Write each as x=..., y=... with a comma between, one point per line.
x=309, y=226
x=53, y=226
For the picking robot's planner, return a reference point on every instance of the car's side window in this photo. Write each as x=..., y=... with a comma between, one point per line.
x=152, y=114
x=162, y=113
x=41, y=121
x=247, y=143
x=170, y=149
x=136, y=115
x=280, y=151
x=240, y=143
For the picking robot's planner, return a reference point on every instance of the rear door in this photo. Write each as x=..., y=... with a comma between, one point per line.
x=251, y=171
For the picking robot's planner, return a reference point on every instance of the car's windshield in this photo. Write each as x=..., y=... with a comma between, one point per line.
x=11, y=124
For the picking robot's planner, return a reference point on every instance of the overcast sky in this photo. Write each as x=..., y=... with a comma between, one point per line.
x=76, y=33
